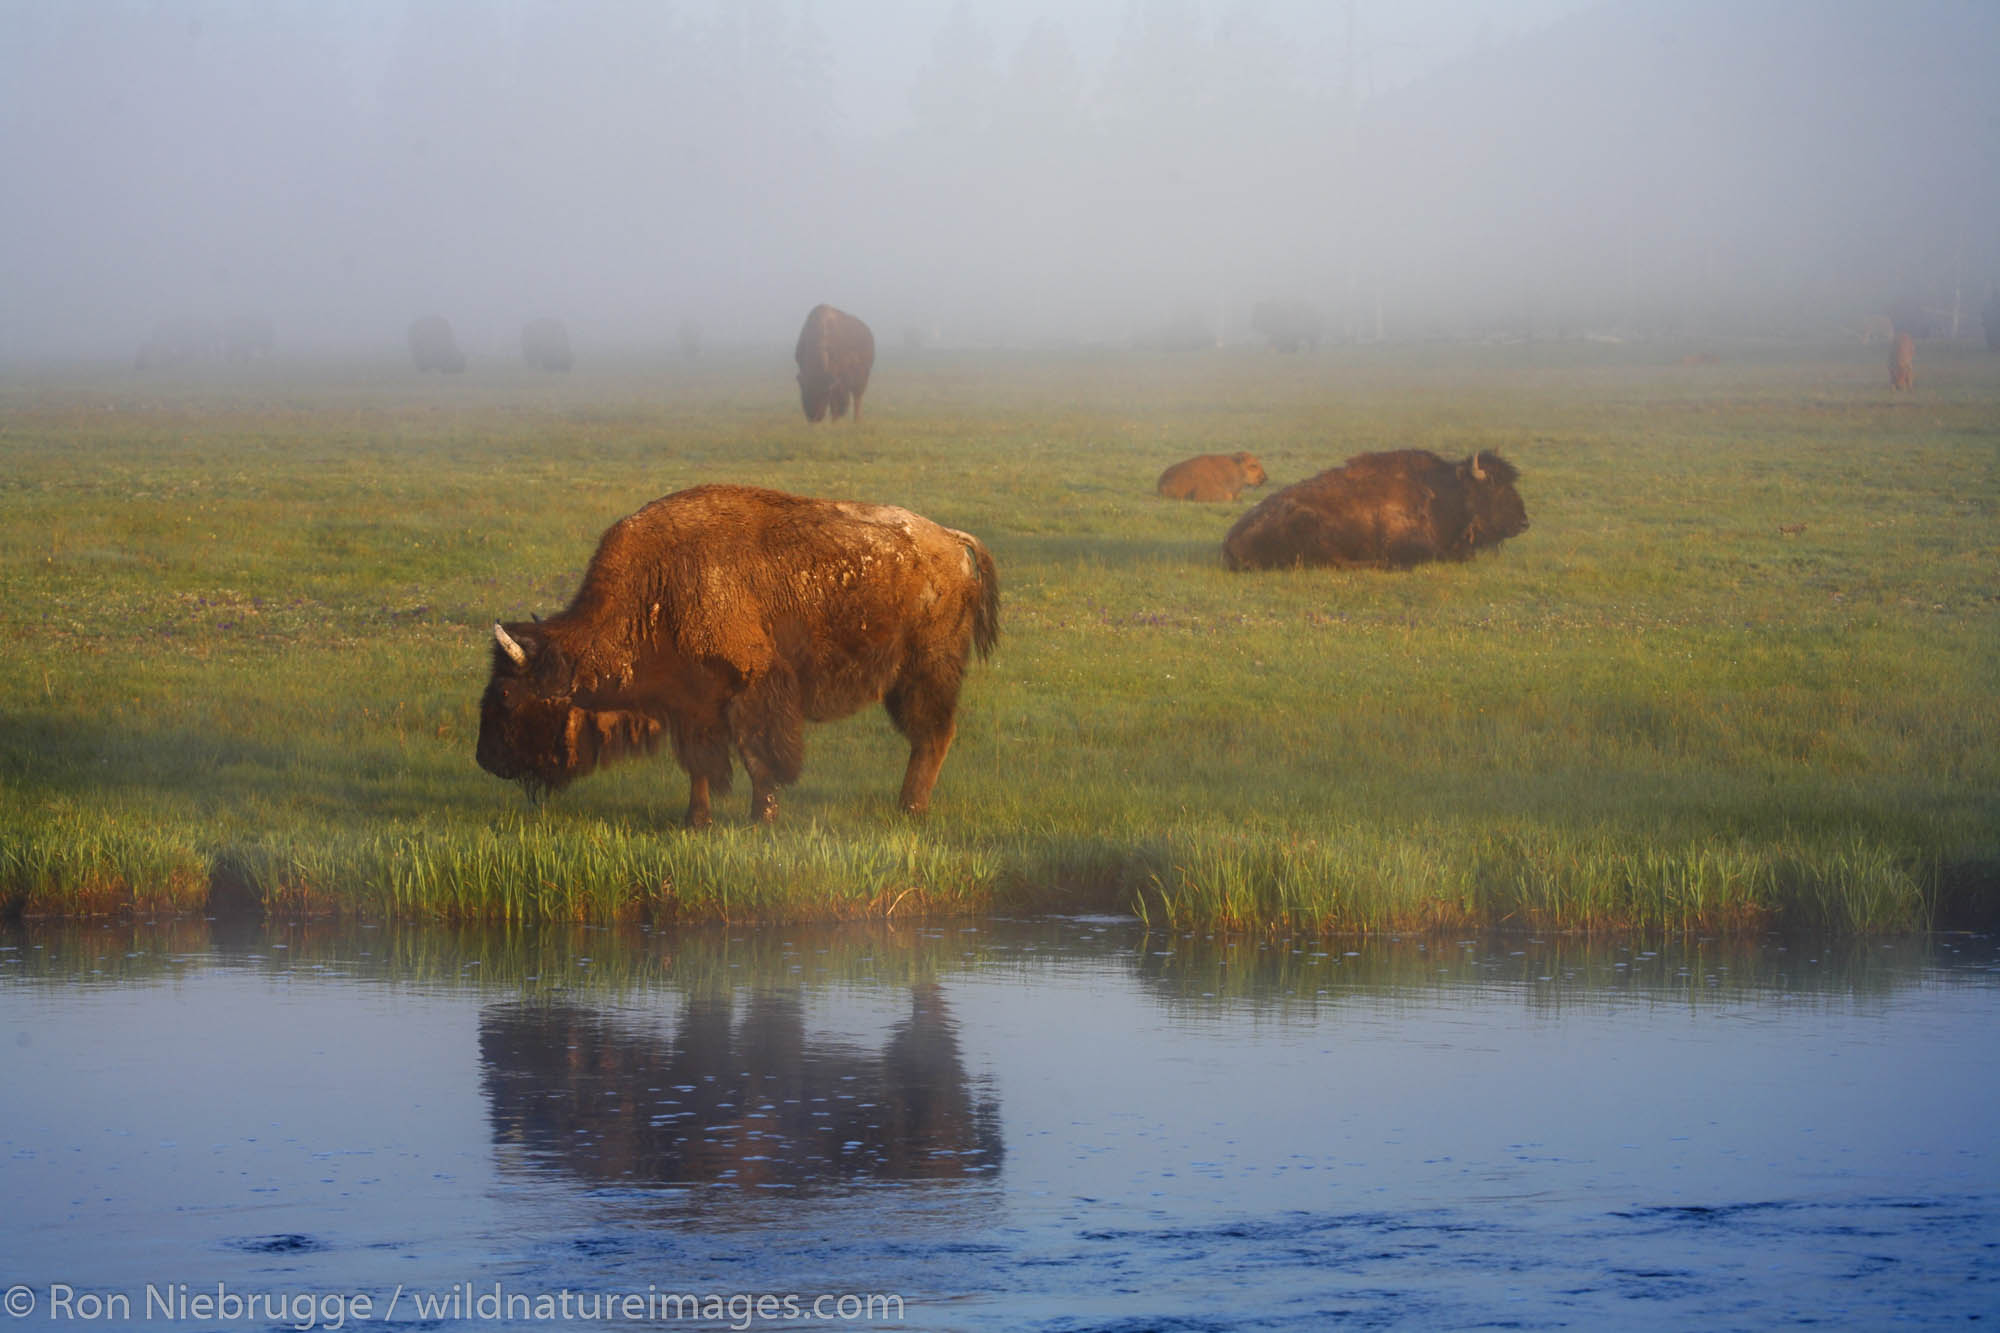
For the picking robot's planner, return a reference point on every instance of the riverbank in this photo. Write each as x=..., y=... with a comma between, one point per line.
x=1738, y=673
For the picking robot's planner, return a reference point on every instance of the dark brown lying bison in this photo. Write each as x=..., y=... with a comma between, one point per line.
x=433, y=348
x=1383, y=511
x=1211, y=477
x=727, y=617
x=836, y=351
x=545, y=345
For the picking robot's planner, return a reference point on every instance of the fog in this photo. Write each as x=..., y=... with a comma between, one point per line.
x=992, y=172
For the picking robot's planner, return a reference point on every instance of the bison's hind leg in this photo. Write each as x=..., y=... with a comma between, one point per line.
x=924, y=707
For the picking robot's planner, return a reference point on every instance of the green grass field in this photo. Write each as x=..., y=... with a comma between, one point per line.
x=246, y=627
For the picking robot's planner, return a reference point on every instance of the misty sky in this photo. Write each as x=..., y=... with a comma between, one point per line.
x=987, y=170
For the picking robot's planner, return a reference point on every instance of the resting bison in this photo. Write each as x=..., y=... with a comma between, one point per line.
x=727, y=617
x=1211, y=477
x=1902, y=362
x=545, y=345
x=836, y=351
x=433, y=348
x=1383, y=511
x=1287, y=325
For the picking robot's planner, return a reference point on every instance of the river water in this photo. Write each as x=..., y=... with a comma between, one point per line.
x=1050, y=1125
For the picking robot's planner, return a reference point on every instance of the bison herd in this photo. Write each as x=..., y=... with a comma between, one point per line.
x=720, y=620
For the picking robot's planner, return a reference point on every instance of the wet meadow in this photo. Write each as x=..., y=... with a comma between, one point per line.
x=1740, y=672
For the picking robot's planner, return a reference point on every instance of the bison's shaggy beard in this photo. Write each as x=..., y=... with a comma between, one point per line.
x=595, y=737
x=587, y=740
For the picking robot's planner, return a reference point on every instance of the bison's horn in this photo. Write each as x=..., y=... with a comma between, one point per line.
x=509, y=647
x=1477, y=473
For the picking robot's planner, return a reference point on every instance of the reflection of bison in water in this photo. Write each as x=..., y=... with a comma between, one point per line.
x=727, y=617
x=836, y=352
x=1383, y=511
x=433, y=348
x=1287, y=325
x=545, y=345
x=1902, y=362
x=736, y=1095
x=1211, y=477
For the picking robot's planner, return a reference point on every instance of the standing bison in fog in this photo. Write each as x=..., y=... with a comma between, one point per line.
x=727, y=617
x=1902, y=362
x=177, y=342
x=545, y=345
x=1211, y=477
x=835, y=353
x=1383, y=511
x=1287, y=325
x=433, y=348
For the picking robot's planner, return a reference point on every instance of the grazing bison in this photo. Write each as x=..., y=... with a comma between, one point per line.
x=433, y=348
x=1902, y=362
x=1383, y=511
x=835, y=357
x=727, y=617
x=545, y=345
x=836, y=351
x=1287, y=325
x=1211, y=477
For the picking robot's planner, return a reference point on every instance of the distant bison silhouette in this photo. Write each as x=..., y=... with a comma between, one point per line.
x=1701, y=359
x=1383, y=511
x=1211, y=477
x=247, y=337
x=1287, y=325
x=433, y=348
x=835, y=354
x=1902, y=362
x=177, y=342
x=545, y=344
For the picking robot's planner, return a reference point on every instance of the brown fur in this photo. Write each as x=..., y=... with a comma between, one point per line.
x=723, y=619
x=1382, y=511
x=1902, y=362
x=1211, y=477
x=836, y=352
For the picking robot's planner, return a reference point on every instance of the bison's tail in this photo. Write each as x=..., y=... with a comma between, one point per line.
x=986, y=610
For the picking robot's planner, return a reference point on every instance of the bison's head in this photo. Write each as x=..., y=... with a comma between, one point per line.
x=1495, y=507
x=814, y=392
x=1252, y=470
x=531, y=729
